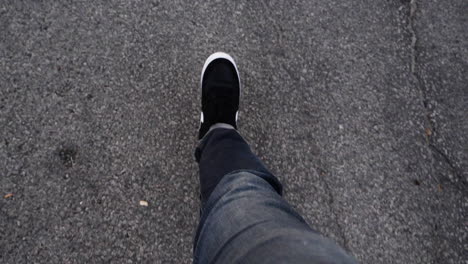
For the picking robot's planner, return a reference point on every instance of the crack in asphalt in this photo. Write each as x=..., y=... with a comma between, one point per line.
x=330, y=202
x=274, y=23
x=432, y=124
x=414, y=38
x=459, y=177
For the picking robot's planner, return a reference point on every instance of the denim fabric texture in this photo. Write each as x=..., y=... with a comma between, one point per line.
x=244, y=218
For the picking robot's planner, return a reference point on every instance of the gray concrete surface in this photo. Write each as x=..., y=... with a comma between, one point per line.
x=359, y=107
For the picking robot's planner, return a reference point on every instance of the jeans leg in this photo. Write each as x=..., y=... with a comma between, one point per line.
x=246, y=221
x=244, y=218
x=220, y=152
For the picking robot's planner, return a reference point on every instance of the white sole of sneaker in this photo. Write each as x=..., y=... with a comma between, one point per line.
x=212, y=57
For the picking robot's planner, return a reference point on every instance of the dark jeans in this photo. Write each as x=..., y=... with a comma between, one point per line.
x=244, y=219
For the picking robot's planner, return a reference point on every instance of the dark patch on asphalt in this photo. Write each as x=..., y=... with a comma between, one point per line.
x=67, y=154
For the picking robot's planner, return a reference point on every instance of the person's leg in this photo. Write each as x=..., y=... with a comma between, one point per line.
x=223, y=151
x=244, y=218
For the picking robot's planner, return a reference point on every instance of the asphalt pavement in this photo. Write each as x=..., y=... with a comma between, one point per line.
x=358, y=106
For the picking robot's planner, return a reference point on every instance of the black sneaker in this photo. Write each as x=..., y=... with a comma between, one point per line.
x=220, y=85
